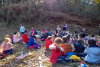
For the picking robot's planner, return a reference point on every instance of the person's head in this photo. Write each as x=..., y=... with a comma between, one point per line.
x=50, y=30
x=53, y=36
x=68, y=37
x=20, y=25
x=76, y=36
x=64, y=38
x=58, y=26
x=7, y=40
x=79, y=36
x=34, y=37
x=18, y=33
x=15, y=33
x=92, y=35
x=25, y=32
x=35, y=32
x=7, y=36
x=10, y=35
x=59, y=35
x=83, y=29
x=49, y=37
x=58, y=41
x=91, y=42
x=80, y=41
x=75, y=31
x=86, y=34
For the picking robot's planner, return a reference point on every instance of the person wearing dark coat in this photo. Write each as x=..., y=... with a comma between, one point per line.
x=44, y=36
x=79, y=47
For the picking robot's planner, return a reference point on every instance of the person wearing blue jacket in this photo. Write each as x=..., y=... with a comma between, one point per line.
x=50, y=33
x=31, y=42
x=79, y=47
x=93, y=52
x=22, y=29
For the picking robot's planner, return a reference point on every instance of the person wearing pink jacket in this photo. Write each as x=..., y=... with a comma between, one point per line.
x=6, y=46
x=16, y=38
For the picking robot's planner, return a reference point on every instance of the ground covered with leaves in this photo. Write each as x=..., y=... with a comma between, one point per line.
x=36, y=58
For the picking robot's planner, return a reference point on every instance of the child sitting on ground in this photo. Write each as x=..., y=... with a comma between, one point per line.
x=53, y=38
x=79, y=47
x=44, y=36
x=6, y=46
x=81, y=38
x=93, y=52
x=16, y=38
x=64, y=38
x=66, y=46
x=32, y=44
x=37, y=38
x=55, y=50
x=92, y=37
x=48, y=42
x=31, y=33
x=68, y=38
x=8, y=36
x=25, y=37
x=98, y=41
x=75, y=39
x=50, y=32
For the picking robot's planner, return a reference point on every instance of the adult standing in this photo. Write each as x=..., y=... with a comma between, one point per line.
x=64, y=27
x=22, y=29
x=83, y=33
x=99, y=29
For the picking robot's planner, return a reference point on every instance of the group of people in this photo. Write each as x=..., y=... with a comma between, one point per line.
x=62, y=43
x=65, y=45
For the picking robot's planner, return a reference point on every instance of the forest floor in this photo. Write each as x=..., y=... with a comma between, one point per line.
x=33, y=60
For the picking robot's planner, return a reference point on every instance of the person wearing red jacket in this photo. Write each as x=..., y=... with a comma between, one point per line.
x=55, y=50
x=25, y=37
x=48, y=42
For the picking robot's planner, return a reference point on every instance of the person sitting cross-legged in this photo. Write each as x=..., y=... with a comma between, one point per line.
x=93, y=52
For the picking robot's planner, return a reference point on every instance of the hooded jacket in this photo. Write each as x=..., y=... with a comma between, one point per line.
x=79, y=47
x=48, y=43
x=93, y=54
x=25, y=38
x=31, y=42
x=55, y=53
x=22, y=29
